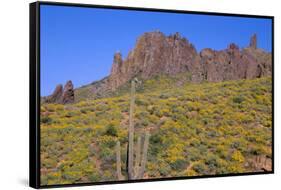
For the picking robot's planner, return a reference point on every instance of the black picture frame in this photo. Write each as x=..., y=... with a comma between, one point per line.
x=34, y=91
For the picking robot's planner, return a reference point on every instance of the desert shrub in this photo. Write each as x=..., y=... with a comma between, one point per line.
x=238, y=99
x=206, y=121
x=98, y=130
x=164, y=169
x=194, y=142
x=166, y=112
x=179, y=164
x=72, y=175
x=155, y=138
x=51, y=107
x=155, y=144
x=221, y=151
x=125, y=109
x=108, y=175
x=237, y=156
x=86, y=110
x=178, y=109
x=107, y=155
x=212, y=161
x=142, y=115
x=158, y=112
x=144, y=122
x=193, y=154
x=256, y=150
x=107, y=141
x=163, y=96
x=140, y=102
x=190, y=172
x=193, y=106
x=46, y=120
x=94, y=177
x=49, y=163
x=151, y=109
x=199, y=167
x=153, y=119
x=111, y=130
x=70, y=114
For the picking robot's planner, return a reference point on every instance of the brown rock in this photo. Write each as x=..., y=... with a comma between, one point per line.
x=253, y=42
x=262, y=163
x=68, y=93
x=62, y=95
x=154, y=54
x=56, y=96
x=117, y=63
x=233, y=64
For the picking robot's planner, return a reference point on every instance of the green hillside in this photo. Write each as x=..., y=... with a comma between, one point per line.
x=196, y=129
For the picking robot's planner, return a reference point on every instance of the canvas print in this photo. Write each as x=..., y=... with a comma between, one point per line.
x=138, y=95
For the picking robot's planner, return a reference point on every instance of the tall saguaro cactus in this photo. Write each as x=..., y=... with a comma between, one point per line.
x=131, y=131
x=137, y=171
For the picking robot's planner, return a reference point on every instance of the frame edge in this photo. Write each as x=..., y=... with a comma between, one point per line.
x=34, y=159
x=34, y=97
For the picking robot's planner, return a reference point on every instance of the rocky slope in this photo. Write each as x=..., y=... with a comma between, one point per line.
x=155, y=53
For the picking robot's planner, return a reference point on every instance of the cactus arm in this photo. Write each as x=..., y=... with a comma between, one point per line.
x=118, y=161
x=138, y=157
x=144, y=155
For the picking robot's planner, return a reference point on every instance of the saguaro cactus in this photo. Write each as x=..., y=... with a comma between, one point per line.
x=131, y=131
x=137, y=171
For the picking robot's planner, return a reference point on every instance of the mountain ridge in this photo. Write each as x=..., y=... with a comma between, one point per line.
x=156, y=54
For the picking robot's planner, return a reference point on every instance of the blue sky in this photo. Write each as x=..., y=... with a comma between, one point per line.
x=78, y=43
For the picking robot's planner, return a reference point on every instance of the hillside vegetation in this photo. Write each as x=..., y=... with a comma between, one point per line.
x=196, y=129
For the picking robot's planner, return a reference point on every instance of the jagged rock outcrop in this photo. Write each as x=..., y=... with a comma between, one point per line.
x=68, y=93
x=56, y=96
x=233, y=64
x=253, y=41
x=62, y=95
x=156, y=53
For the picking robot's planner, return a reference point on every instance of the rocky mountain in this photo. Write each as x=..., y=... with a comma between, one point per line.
x=156, y=53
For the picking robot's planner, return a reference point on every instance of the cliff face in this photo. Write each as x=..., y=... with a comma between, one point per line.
x=233, y=64
x=156, y=53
